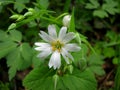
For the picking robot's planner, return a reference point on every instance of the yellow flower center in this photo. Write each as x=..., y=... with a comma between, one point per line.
x=57, y=45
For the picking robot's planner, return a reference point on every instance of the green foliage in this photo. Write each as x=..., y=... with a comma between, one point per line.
x=4, y=86
x=43, y=3
x=20, y=5
x=93, y=4
x=6, y=45
x=108, y=7
x=21, y=21
x=42, y=77
x=95, y=63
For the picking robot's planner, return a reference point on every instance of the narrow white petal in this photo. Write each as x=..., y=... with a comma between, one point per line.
x=52, y=31
x=55, y=60
x=62, y=33
x=45, y=36
x=72, y=47
x=69, y=36
x=67, y=54
x=44, y=54
x=66, y=58
x=42, y=44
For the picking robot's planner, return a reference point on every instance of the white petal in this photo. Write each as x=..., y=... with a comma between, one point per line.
x=42, y=46
x=67, y=54
x=72, y=47
x=66, y=58
x=44, y=54
x=45, y=36
x=69, y=36
x=62, y=33
x=52, y=31
x=55, y=60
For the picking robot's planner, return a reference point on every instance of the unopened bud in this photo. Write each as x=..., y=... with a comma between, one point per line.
x=66, y=20
x=70, y=68
x=15, y=16
x=28, y=14
x=55, y=78
x=30, y=9
x=21, y=17
x=12, y=26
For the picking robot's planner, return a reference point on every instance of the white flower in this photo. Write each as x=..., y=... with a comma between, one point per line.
x=66, y=20
x=56, y=46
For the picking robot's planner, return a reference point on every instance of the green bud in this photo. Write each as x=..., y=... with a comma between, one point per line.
x=70, y=68
x=55, y=78
x=21, y=17
x=30, y=9
x=16, y=16
x=28, y=14
x=12, y=26
x=78, y=38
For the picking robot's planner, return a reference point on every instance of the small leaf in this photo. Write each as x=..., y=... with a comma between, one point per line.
x=26, y=51
x=111, y=7
x=6, y=47
x=95, y=63
x=3, y=36
x=43, y=3
x=17, y=60
x=20, y=5
x=108, y=52
x=12, y=72
x=16, y=35
x=92, y=5
x=100, y=13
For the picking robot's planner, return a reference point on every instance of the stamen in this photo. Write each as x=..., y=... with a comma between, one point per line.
x=57, y=45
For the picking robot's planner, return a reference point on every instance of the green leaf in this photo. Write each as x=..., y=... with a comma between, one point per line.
x=3, y=36
x=100, y=13
x=72, y=23
x=108, y=52
x=95, y=63
x=43, y=3
x=117, y=79
x=92, y=5
x=26, y=51
x=20, y=5
x=38, y=78
x=42, y=77
x=36, y=62
x=111, y=7
x=79, y=57
x=16, y=35
x=6, y=47
x=12, y=72
x=17, y=61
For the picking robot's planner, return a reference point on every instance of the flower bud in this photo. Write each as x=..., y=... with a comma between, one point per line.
x=55, y=78
x=21, y=17
x=12, y=26
x=28, y=14
x=15, y=16
x=70, y=68
x=66, y=20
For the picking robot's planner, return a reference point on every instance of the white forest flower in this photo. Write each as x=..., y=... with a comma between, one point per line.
x=66, y=20
x=56, y=46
